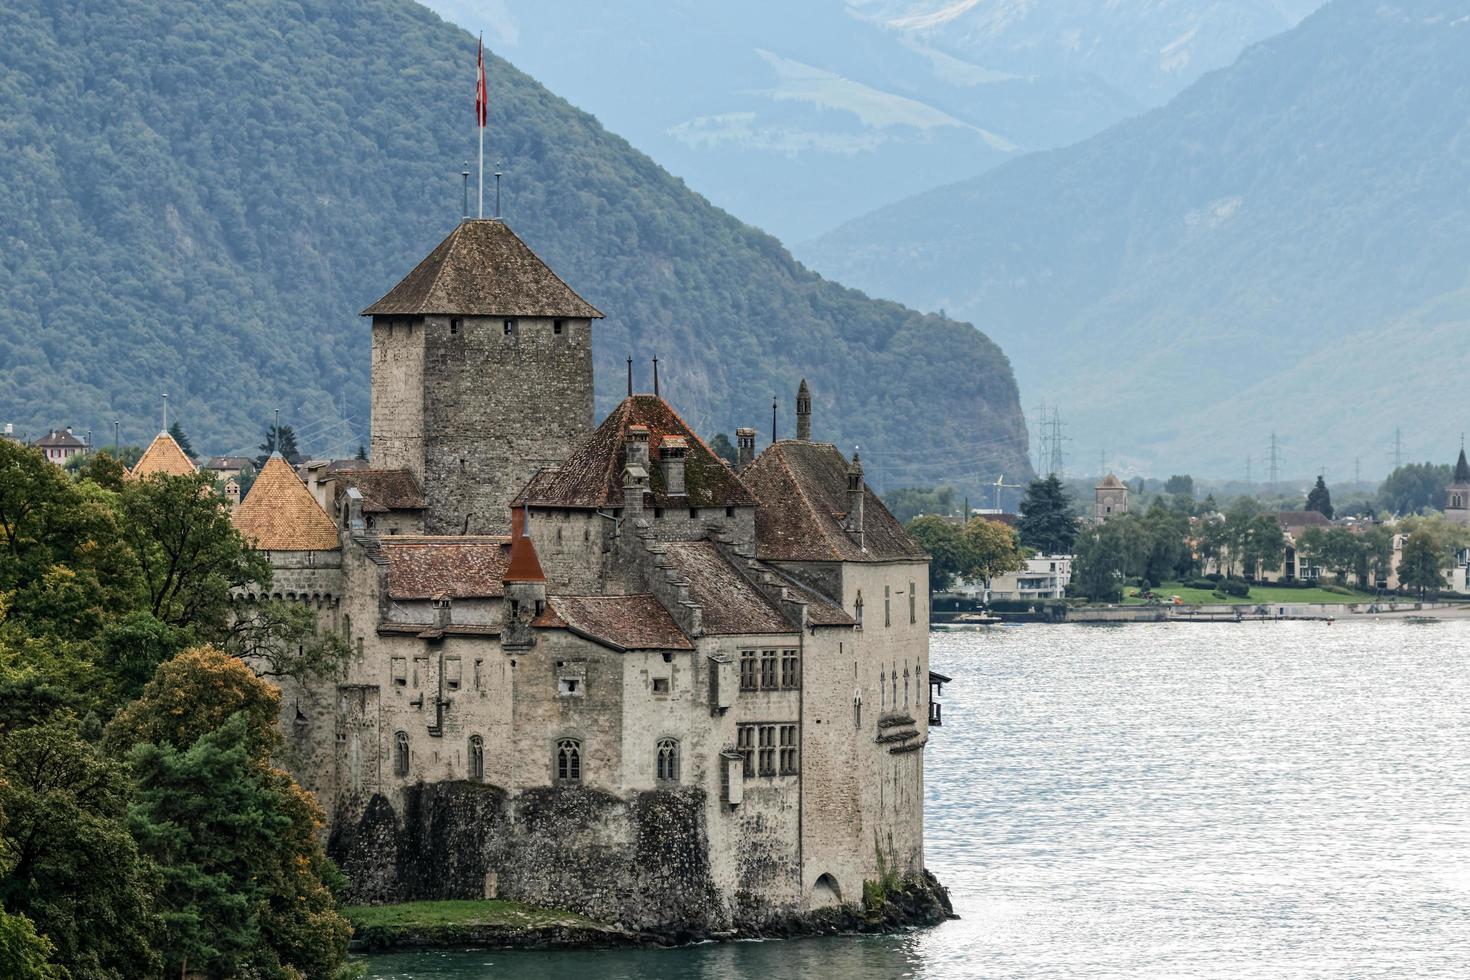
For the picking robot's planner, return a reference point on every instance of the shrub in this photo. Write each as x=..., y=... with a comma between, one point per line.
x=1234, y=587
x=1201, y=583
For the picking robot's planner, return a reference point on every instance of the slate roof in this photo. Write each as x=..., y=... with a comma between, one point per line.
x=592, y=476
x=382, y=490
x=731, y=604
x=482, y=269
x=280, y=514
x=448, y=566
x=820, y=610
x=1301, y=519
x=228, y=462
x=165, y=456
x=60, y=439
x=623, y=622
x=802, y=488
x=1462, y=471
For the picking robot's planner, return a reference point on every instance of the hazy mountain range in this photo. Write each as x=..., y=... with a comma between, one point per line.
x=799, y=116
x=1282, y=247
x=199, y=199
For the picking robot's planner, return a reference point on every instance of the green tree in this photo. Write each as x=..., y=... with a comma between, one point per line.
x=946, y=546
x=1414, y=487
x=906, y=503
x=1320, y=499
x=1336, y=549
x=188, y=553
x=1377, y=555
x=1181, y=485
x=1422, y=562
x=990, y=548
x=177, y=431
x=69, y=862
x=721, y=446
x=1097, y=569
x=236, y=840
x=279, y=439
x=25, y=954
x=1263, y=546
x=1046, y=523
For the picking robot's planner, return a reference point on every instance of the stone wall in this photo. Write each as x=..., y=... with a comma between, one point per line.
x=498, y=406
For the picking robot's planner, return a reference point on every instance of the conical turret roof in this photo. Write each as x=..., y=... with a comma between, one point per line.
x=280, y=514
x=1462, y=470
x=165, y=456
x=482, y=269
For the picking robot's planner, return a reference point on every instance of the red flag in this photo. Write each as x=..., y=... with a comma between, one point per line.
x=482, y=97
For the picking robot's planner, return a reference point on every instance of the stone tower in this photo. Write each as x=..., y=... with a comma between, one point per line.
x=1111, y=496
x=1457, y=494
x=482, y=374
x=804, y=412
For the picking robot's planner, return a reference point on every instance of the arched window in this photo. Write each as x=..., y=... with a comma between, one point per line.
x=477, y=758
x=668, y=760
x=568, y=761
x=400, y=753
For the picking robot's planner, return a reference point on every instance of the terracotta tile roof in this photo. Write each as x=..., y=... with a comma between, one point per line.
x=165, y=456
x=524, y=565
x=1110, y=482
x=382, y=490
x=280, y=514
x=731, y=604
x=623, y=622
x=482, y=269
x=802, y=488
x=592, y=476
x=451, y=566
x=1289, y=519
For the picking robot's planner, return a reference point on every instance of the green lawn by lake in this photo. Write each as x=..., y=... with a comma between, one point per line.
x=1260, y=594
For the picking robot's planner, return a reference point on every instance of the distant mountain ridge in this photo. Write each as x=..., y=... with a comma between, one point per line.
x=799, y=116
x=1281, y=248
x=199, y=199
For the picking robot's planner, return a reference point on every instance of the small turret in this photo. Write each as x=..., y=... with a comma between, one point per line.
x=855, y=498
x=804, y=412
x=525, y=585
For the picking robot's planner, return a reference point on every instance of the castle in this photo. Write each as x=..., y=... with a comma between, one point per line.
x=592, y=666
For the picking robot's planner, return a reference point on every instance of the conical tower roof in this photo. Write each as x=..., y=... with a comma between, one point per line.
x=280, y=514
x=482, y=269
x=165, y=456
x=1462, y=470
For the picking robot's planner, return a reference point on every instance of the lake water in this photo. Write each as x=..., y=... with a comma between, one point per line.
x=1161, y=800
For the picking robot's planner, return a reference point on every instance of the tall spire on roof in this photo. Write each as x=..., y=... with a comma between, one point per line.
x=804, y=412
x=1462, y=470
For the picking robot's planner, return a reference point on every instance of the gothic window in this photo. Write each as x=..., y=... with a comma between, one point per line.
x=857, y=711
x=569, y=761
x=768, y=670
x=400, y=754
x=789, y=758
x=789, y=669
x=745, y=742
x=882, y=691
x=913, y=605
x=887, y=605
x=477, y=758
x=668, y=760
x=748, y=680
x=905, y=685
x=857, y=608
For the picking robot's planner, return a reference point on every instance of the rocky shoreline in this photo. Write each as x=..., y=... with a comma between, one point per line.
x=917, y=902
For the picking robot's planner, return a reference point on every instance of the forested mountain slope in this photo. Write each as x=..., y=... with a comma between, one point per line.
x=1282, y=247
x=199, y=198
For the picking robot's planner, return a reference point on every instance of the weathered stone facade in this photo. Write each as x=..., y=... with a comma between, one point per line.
x=671, y=697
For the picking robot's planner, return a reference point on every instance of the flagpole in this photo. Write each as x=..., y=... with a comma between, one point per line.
x=480, y=111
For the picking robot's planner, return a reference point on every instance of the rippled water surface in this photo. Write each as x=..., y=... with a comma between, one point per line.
x=1223, y=800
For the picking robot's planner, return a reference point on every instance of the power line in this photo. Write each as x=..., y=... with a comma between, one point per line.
x=1398, y=448
x=1274, y=462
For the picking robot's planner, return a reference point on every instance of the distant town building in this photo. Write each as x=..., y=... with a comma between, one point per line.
x=61, y=445
x=1457, y=494
x=1110, y=498
x=227, y=467
x=1044, y=577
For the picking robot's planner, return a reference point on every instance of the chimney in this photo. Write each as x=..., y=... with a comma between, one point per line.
x=855, y=497
x=671, y=455
x=635, y=469
x=744, y=447
x=804, y=412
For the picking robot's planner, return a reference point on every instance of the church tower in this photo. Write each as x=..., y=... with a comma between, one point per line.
x=482, y=374
x=1457, y=494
